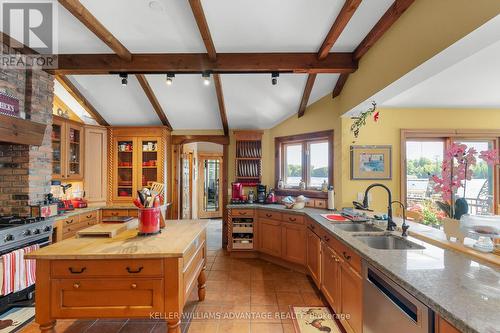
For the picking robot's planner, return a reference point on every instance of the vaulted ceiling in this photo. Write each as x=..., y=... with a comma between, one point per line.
x=232, y=26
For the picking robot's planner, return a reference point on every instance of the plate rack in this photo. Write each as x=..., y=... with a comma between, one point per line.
x=248, y=157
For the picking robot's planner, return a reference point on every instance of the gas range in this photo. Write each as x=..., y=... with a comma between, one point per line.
x=16, y=232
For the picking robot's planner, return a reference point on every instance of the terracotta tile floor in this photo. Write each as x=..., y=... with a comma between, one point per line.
x=243, y=295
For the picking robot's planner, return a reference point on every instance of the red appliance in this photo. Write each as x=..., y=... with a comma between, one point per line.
x=79, y=203
x=237, y=192
x=149, y=221
x=271, y=197
x=68, y=205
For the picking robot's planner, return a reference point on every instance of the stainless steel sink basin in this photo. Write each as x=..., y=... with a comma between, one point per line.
x=388, y=242
x=357, y=227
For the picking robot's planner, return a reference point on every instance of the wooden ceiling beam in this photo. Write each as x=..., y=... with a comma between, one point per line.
x=338, y=26
x=78, y=96
x=222, y=106
x=384, y=23
x=86, y=17
x=307, y=92
x=153, y=100
x=201, y=21
x=199, y=62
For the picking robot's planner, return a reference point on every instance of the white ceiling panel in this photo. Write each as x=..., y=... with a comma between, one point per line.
x=270, y=25
x=363, y=20
x=118, y=105
x=188, y=103
x=72, y=103
x=323, y=86
x=74, y=37
x=472, y=83
x=149, y=26
x=252, y=102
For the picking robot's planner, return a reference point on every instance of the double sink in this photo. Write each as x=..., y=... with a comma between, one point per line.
x=376, y=238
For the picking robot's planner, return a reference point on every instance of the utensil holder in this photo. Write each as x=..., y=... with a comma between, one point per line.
x=149, y=221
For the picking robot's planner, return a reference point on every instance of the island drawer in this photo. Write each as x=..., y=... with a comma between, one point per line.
x=269, y=214
x=103, y=298
x=111, y=268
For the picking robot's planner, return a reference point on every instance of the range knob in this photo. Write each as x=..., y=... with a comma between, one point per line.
x=47, y=228
x=36, y=231
x=27, y=232
x=9, y=237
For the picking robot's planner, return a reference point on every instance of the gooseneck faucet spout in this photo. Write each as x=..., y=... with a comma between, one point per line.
x=391, y=226
x=404, y=226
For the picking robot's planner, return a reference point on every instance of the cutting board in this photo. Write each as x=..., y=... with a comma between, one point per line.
x=102, y=230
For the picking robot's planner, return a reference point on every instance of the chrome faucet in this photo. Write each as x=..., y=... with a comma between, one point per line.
x=391, y=226
x=404, y=226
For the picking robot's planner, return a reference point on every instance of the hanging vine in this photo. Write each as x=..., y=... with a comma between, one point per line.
x=360, y=121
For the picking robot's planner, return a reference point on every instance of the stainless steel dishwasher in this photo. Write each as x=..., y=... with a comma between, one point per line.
x=388, y=308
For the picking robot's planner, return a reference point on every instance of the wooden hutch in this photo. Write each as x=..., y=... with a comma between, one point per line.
x=137, y=156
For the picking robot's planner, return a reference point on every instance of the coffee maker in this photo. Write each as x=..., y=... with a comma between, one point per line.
x=261, y=193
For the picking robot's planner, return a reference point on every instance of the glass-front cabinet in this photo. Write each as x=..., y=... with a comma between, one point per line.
x=138, y=160
x=67, y=149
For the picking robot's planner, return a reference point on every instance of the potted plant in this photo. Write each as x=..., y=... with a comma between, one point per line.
x=455, y=171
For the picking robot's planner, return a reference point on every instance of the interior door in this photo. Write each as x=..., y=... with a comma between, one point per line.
x=209, y=186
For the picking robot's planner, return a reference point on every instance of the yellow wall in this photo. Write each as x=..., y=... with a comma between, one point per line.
x=387, y=132
x=425, y=29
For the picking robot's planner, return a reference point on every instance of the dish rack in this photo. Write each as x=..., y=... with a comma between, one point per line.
x=248, y=157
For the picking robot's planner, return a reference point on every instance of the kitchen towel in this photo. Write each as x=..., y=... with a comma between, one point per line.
x=19, y=273
x=30, y=265
x=8, y=268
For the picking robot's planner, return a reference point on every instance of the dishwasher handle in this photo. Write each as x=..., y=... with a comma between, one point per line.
x=401, y=301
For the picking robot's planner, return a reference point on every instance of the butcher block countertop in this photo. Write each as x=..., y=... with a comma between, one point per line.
x=173, y=241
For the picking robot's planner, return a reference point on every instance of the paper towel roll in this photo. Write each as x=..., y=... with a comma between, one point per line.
x=331, y=198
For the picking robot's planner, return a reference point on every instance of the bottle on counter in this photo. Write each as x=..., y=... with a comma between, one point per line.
x=281, y=184
x=302, y=185
x=324, y=186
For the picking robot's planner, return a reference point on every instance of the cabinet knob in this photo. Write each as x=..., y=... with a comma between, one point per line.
x=346, y=256
x=326, y=238
x=292, y=219
x=269, y=215
x=337, y=259
x=312, y=226
x=76, y=285
x=133, y=286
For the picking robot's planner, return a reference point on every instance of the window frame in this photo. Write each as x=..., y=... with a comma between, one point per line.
x=449, y=136
x=305, y=140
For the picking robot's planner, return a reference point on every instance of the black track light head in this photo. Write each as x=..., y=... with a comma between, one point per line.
x=274, y=78
x=124, y=77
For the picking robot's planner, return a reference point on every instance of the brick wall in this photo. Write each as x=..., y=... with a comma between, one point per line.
x=25, y=171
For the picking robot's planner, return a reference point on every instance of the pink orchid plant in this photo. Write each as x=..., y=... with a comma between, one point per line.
x=456, y=169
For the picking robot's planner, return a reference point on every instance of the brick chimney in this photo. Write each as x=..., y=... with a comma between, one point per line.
x=26, y=171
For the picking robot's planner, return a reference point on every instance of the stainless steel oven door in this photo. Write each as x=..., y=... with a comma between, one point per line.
x=388, y=308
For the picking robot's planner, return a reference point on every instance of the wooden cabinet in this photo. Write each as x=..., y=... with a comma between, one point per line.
x=248, y=162
x=313, y=256
x=442, y=326
x=270, y=237
x=351, y=296
x=293, y=243
x=67, y=149
x=137, y=158
x=330, y=276
x=96, y=165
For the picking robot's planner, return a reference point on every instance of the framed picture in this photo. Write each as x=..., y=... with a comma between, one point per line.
x=371, y=162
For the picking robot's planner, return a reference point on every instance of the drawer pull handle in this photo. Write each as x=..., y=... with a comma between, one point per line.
x=133, y=286
x=268, y=215
x=76, y=285
x=114, y=214
x=89, y=216
x=72, y=271
x=69, y=222
x=242, y=213
x=292, y=219
x=346, y=256
x=134, y=271
x=326, y=238
x=312, y=226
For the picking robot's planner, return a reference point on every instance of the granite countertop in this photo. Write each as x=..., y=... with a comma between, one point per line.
x=173, y=241
x=79, y=211
x=462, y=290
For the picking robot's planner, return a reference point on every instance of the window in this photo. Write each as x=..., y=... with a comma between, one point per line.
x=423, y=155
x=307, y=157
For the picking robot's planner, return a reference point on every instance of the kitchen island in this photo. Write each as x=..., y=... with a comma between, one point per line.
x=122, y=277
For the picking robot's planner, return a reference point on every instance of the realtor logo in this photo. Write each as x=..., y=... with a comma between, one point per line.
x=31, y=23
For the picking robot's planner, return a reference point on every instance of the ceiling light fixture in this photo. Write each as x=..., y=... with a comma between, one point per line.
x=170, y=78
x=274, y=78
x=206, y=78
x=124, y=77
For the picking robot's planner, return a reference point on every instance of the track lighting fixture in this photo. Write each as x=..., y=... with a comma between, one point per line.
x=124, y=77
x=274, y=78
x=206, y=78
x=170, y=77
